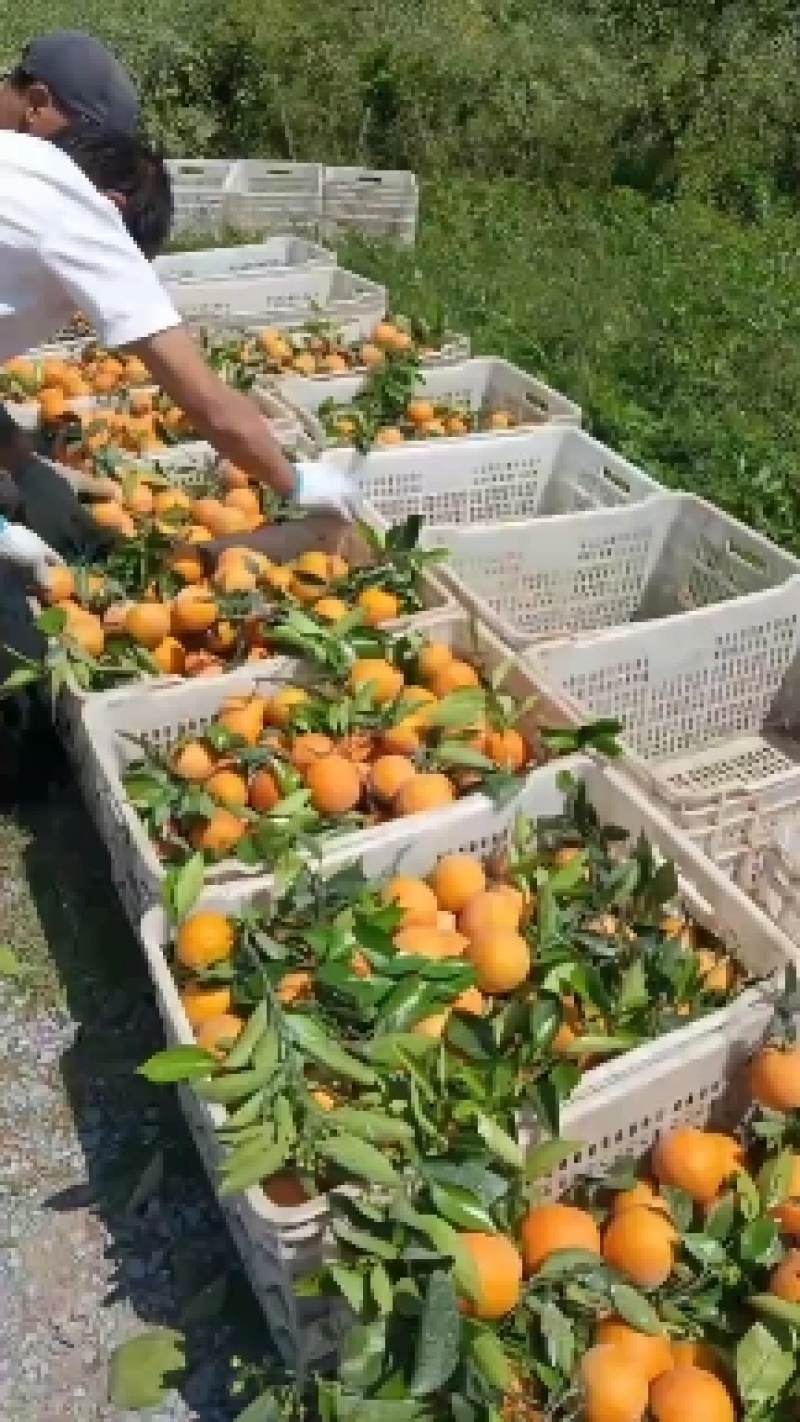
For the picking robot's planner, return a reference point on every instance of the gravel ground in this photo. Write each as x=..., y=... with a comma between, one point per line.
x=82, y=1266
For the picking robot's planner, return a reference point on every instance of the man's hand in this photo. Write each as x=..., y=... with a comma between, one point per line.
x=25, y=549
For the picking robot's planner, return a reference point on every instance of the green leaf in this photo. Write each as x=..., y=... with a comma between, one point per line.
x=438, y=1339
x=559, y=1338
x=143, y=1371
x=776, y=1308
x=564, y=1262
x=634, y=1309
x=381, y=1289
x=359, y=1158
x=775, y=1180
x=460, y=709
x=183, y=887
x=448, y=1242
x=373, y=1126
x=310, y=1038
x=148, y=1184
x=633, y=991
x=265, y=1408
x=10, y=966
x=542, y=1159
x=460, y=1207
x=489, y=1358
x=758, y=1241
x=248, y=1166
x=763, y=1367
x=185, y=1063
x=499, y=1142
x=351, y=1284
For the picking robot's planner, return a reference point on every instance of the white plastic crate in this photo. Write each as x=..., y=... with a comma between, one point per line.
x=165, y=714
x=273, y=196
x=198, y=194
x=582, y=572
x=286, y=298
x=252, y=258
x=619, y=1108
x=709, y=707
x=776, y=884
x=484, y=384
x=380, y=203
x=549, y=470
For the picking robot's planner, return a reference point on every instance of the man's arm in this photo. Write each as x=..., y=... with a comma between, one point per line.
x=228, y=420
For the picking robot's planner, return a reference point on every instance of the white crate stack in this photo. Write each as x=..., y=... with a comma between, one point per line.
x=265, y=196
x=378, y=203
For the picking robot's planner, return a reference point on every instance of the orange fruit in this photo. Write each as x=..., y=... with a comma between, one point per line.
x=295, y=987
x=227, y=788
x=784, y=1281
x=335, y=784
x=501, y=959
x=86, y=631
x=640, y=1244
x=219, y=834
x=378, y=606
x=264, y=792
x=455, y=880
x=640, y=1194
x=425, y=942
x=170, y=657
x=690, y=1395
x=193, y=610
x=548, y=1229
x=453, y=676
x=431, y=791
x=612, y=1389
x=432, y=658
x=171, y=501
x=388, y=774
x=309, y=747
x=507, y=749
x=218, y=1034
x=192, y=761
x=246, y=722
x=691, y=1353
x=498, y=1265
x=234, y=578
x=650, y=1353
x=471, y=1002
x=389, y=434
x=148, y=623
x=694, y=1161
x=281, y=707
x=382, y=679
x=775, y=1078
x=203, y=939
x=415, y=898
x=203, y=1002
x=487, y=912
x=60, y=584
x=788, y=1212
x=433, y=1026
x=420, y=412
x=330, y=609
x=401, y=739
x=245, y=500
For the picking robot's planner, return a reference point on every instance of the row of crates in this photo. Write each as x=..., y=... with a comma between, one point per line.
x=261, y=196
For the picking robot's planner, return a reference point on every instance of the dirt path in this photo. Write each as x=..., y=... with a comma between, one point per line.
x=82, y=1264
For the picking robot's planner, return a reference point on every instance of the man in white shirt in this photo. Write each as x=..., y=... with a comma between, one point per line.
x=83, y=209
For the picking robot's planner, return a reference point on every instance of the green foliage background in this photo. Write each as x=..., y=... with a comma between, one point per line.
x=610, y=189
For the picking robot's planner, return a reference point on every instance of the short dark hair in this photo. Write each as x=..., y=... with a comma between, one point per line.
x=132, y=167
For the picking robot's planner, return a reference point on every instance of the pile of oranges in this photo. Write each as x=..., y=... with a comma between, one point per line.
x=378, y=749
x=194, y=618
x=274, y=352
x=143, y=422
x=422, y=419
x=55, y=381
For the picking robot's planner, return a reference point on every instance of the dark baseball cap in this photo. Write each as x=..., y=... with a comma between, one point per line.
x=85, y=79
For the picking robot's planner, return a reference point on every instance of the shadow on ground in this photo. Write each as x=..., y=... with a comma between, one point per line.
x=168, y=1253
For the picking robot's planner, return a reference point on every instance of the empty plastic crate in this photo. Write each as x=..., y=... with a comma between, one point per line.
x=164, y=715
x=250, y=259
x=710, y=706
x=265, y=196
x=379, y=203
x=198, y=194
x=594, y=570
x=619, y=1108
x=482, y=385
x=549, y=470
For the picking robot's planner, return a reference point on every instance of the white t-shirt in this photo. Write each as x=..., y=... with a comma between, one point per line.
x=64, y=248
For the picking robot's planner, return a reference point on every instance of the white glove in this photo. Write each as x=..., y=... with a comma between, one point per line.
x=24, y=548
x=323, y=486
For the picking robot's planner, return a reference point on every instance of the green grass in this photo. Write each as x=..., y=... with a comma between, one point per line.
x=677, y=329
